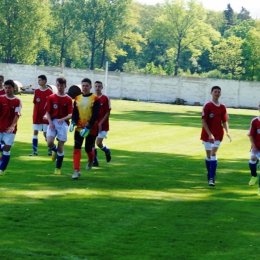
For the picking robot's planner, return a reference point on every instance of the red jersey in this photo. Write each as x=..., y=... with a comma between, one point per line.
x=2, y=91
x=40, y=105
x=59, y=106
x=215, y=116
x=254, y=131
x=9, y=108
x=105, y=107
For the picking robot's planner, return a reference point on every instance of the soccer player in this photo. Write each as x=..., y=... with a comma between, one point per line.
x=84, y=118
x=254, y=137
x=214, y=118
x=59, y=111
x=10, y=110
x=2, y=89
x=40, y=121
x=103, y=122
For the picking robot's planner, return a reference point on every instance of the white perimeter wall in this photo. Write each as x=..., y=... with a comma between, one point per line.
x=144, y=87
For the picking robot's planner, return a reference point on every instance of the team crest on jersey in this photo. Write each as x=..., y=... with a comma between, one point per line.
x=258, y=131
x=211, y=115
x=55, y=106
x=38, y=99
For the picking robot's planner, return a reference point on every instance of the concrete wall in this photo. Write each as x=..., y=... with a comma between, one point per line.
x=144, y=87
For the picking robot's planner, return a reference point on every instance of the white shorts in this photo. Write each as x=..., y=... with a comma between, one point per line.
x=40, y=127
x=209, y=145
x=7, y=138
x=257, y=155
x=102, y=134
x=61, y=131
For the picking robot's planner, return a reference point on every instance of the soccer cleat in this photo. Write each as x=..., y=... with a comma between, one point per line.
x=2, y=173
x=54, y=156
x=76, y=175
x=49, y=152
x=95, y=164
x=33, y=154
x=108, y=155
x=89, y=165
x=211, y=183
x=57, y=171
x=253, y=181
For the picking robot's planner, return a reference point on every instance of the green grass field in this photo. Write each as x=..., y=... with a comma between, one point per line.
x=152, y=201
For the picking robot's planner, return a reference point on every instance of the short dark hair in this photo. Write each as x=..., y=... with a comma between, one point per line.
x=61, y=80
x=99, y=82
x=10, y=82
x=86, y=80
x=1, y=76
x=215, y=87
x=43, y=77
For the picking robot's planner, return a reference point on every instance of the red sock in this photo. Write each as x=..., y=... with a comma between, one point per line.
x=91, y=156
x=76, y=159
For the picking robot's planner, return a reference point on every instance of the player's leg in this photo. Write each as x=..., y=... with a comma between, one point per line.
x=45, y=126
x=207, y=147
x=89, y=144
x=8, y=139
x=213, y=162
x=78, y=140
x=35, y=140
x=62, y=136
x=51, y=134
x=102, y=146
x=252, y=165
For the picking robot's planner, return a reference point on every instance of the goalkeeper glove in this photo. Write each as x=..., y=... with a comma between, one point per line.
x=72, y=125
x=84, y=132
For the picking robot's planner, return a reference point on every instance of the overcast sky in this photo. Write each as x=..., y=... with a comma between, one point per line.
x=253, y=6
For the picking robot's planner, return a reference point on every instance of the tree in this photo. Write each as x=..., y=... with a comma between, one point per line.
x=230, y=17
x=182, y=26
x=101, y=21
x=227, y=55
x=23, y=29
x=251, y=53
x=244, y=14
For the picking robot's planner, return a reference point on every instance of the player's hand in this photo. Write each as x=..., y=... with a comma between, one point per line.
x=211, y=138
x=10, y=129
x=228, y=135
x=72, y=126
x=84, y=132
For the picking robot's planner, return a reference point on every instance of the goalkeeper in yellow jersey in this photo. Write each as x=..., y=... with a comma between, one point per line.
x=84, y=118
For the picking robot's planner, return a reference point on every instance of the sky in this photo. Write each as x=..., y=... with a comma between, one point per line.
x=253, y=6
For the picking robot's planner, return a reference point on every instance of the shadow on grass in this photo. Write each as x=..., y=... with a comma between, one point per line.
x=241, y=122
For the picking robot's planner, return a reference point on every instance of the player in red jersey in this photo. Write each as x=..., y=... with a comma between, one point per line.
x=103, y=122
x=2, y=89
x=10, y=111
x=59, y=111
x=214, y=118
x=254, y=137
x=40, y=121
x=84, y=118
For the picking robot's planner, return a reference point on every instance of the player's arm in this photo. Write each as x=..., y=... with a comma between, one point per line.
x=226, y=127
x=52, y=127
x=95, y=113
x=206, y=127
x=103, y=120
x=254, y=148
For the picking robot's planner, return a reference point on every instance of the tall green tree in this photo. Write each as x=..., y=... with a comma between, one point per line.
x=227, y=55
x=23, y=29
x=182, y=26
x=101, y=20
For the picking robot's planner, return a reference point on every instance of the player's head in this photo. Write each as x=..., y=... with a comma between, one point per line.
x=216, y=92
x=215, y=87
x=61, y=85
x=98, y=87
x=86, y=86
x=42, y=80
x=1, y=80
x=9, y=87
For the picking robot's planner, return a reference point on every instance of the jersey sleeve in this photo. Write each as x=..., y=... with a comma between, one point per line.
x=205, y=111
x=224, y=115
x=252, y=128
